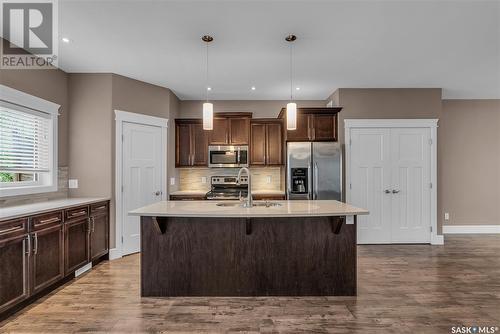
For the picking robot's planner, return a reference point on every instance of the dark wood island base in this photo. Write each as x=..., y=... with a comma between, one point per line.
x=272, y=256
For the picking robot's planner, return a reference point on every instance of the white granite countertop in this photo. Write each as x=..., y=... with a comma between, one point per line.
x=41, y=207
x=296, y=208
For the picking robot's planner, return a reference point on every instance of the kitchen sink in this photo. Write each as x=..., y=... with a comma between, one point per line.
x=256, y=204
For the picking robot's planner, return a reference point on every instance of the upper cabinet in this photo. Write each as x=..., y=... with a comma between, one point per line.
x=314, y=124
x=231, y=129
x=266, y=142
x=191, y=143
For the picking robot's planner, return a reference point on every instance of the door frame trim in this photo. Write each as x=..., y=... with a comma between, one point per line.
x=431, y=124
x=129, y=117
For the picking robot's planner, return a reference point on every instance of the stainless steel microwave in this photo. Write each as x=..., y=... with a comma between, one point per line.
x=227, y=156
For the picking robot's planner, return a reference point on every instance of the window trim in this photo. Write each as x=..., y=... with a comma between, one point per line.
x=25, y=100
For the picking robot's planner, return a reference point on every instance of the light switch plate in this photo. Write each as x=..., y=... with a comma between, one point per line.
x=268, y=179
x=172, y=181
x=203, y=179
x=73, y=183
x=349, y=220
x=446, y=216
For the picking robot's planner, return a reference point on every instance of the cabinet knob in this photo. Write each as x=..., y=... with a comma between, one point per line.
x=387, y=191
x=395, y=191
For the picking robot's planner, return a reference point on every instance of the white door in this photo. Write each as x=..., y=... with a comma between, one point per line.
x=142, y=177
x=371, y=182
x=390, y=176
x=411, y=179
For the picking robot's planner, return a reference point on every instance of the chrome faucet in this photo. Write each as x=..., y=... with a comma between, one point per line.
x=248, y=203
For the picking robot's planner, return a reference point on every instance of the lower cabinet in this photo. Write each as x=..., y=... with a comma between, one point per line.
x=99, y=231
x=39, y=251
x=14, y=284
x=76, y=244
x=47, y=257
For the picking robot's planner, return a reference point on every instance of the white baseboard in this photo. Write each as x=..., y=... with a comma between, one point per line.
x=471, y=229
x=115, y=253
x=437, y=239
x=83, y=269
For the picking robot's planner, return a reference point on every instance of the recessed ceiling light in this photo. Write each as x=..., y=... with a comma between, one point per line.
x=297, y=88
x=65, y=40
x=253, y=88
x=209, y=88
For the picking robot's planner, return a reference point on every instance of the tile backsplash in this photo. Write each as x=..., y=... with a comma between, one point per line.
x=191, y=178
x=62, y=192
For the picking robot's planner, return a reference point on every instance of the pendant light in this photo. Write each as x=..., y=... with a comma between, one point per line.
x=208, y=108
x=291, y=107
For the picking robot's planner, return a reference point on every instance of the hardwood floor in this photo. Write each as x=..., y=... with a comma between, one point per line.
x=401, y=289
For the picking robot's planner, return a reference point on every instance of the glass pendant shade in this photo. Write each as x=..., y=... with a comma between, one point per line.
x=208, y=116
x=291, y=116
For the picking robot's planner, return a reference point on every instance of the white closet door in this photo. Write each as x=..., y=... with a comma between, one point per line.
x=142, y=178
x=370, y=178
x=410, y=155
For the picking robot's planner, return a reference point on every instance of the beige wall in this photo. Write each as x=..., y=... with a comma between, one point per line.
x=90, y=144
x=469, y=162
x=468, y=145
x=259, y=108
x=51, y=85
x=375, y=103
x=93, y=100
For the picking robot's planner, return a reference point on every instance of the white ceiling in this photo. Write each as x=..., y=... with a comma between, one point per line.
x=349, y=44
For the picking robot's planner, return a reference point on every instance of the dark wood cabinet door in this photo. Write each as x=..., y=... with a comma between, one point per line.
x=182, y=144
x=302, y=133
x=220, y=134
x=14, y=259
x=258, y=144
x=324, y=127
x=76, y=244
x=199, y=144
x=274, y=144
x=99, y=236
x=239, y=131
x=47, y=257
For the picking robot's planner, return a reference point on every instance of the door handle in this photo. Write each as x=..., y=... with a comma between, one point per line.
x=315, y=181
x=387, y=191
x=28, y=245
x=158, y=193
x=93, y=224
x=35, y=243
x=395, y=191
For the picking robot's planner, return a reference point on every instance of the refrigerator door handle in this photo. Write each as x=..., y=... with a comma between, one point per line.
x=315, y=177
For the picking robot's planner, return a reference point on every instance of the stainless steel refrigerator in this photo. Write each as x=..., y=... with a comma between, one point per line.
x=314, y=170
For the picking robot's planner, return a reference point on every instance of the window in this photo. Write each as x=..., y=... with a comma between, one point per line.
x=28, y=151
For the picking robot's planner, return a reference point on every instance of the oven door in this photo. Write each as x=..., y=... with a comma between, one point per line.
x=227, y=156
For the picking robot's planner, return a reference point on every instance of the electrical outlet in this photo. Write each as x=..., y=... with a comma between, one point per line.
x=172, y=181
x=446, y=216
x=73, y=183
x=268, y=179
x=203, y=179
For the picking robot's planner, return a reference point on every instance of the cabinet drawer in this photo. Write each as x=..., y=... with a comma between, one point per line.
x=12, y=228
x=46, y=220
x=79, y=212
x=99, y=208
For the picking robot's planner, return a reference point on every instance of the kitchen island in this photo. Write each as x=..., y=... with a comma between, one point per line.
x=279, y=248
